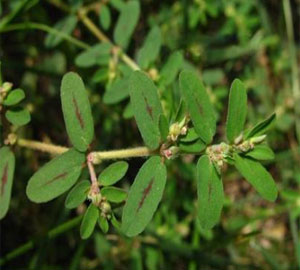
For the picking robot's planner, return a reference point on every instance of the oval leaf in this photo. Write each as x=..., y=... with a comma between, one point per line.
x=190, y=136
x=146, y=107
x=78, y=194
x=77, y=111
x=210, y=193
x=98, y=54
x=66, y=25
x=114, y=194
x=117, y=92
x=14, y=97
x=150, y=50
x=89, y=221
x=113, y=173
x=237, y=110
x=56, y=177
x=261, y=152
x=126, y=23
x=144, y=196
x=257, y=176
x=192, y=147
x=103, y=224
x=7, y=168
x=198, y=105
x=171, y=68
x=18, y=116
x=105, y=17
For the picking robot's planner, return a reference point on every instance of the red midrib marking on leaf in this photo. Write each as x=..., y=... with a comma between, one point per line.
x=145, y=194
x=209, y=191
x=62, y=175
x=77, y=112
x=148, y=108
x=4, y=178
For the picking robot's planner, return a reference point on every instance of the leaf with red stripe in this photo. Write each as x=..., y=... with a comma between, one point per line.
x=77, y=111
x=56, y=177
x=146, y=107
x=7, y=168
x=210, y=193
x=144, y=196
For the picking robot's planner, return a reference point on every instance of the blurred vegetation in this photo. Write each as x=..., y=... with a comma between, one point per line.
x=257, y=41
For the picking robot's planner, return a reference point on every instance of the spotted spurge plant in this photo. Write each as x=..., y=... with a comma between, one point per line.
x=190, y=132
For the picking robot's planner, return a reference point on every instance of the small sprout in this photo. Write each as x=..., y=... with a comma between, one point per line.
x=94, y=195
x=238, y=139
x=177, y=129
x=257, y=140
x=11, y=139
x=171, y=152
x=105, y=208
x=153, y=73
x=6, y=87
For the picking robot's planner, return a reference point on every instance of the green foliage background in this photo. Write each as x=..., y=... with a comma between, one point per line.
x=256, y=41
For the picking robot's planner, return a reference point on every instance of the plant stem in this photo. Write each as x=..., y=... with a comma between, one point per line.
x=294, y=62
x=121, y=154
x=70, y=224
x=39, y=26
x=40, y=146
x=82, y=14
x=97, y=157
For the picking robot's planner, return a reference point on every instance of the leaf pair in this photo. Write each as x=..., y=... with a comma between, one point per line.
x=61, y=173
x=17, y=116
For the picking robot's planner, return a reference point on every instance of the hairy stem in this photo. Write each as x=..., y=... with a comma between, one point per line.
x=96, y=157
x=82, y=14
x=44, y=147
x=121, y=154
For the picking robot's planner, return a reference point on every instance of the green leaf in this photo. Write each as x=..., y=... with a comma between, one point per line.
x=78, y=194
x=190, y=136
x=14, y=97
x=77, y=111
x=55, y=177
x=89, y=221
x=7, y=168
x=144, y=196
x=126, y=23
x=257, y=176
x=96, y=55
x=163, y=127
x=150, y=49
x=66, y=25
x=171, y=68
x=113, y=173
x=113, y=194
x=103, y=224
x=261, y=152
x=105, y=17
x=198, y=105
x=117, y=92
x=210, y=193
x=18, y=116
x=237, y=110
x=146, y=107
x=192, y=147
x=262, y=127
